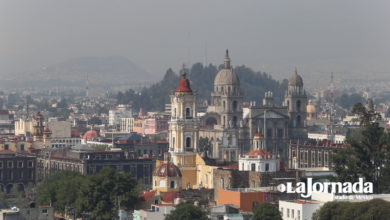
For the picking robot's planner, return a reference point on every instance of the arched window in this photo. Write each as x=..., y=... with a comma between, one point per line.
x=188, y=142
x=234, y=121
x=224, y=121
x=229, y=90
x=234, y=105
x=188, y=113
x=298, y=105
x=224, y=105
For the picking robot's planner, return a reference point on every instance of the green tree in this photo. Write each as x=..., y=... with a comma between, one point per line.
x=101, y=194
x=367, y=156
x=266, y=211
x=187, y=211
x=60, y=190
x=373, y=209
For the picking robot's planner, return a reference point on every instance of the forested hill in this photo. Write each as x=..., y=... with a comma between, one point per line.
x=253, y=85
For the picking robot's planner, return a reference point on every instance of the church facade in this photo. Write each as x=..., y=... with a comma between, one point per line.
x=226, y=117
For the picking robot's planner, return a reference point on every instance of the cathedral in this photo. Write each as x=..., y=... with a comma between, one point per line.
x=233, y=131
x=230, y=127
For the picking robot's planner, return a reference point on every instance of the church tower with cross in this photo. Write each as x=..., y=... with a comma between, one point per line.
x=184, y=131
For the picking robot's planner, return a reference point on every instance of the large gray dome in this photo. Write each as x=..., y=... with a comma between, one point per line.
x=296, y=80
x=226, y=76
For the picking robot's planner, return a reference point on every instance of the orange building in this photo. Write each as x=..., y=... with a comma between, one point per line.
x=245, y=198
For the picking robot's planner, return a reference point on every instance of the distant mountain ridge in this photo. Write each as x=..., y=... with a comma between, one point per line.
x=104, y=71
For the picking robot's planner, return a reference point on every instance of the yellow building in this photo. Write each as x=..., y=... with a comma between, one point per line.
x=184, y=131
x=192, y=171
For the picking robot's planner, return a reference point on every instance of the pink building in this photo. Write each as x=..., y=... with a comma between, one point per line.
x=156, y=125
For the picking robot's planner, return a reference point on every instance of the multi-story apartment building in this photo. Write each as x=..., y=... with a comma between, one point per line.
x=16, y=168
x=92, y=161
x=311, y=155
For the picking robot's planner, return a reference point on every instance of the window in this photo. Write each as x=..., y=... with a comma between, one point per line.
x=188, y=142
x=20, y=164
x=172, y=184
x=253, y=167
x=20, y=174
x=288, y=213
x=281, y=212
x=10, y=164
x=30, y=164
x=234, y=105
x=266, y=167
x=1, y=175
x=155, y=183
x=30, y=174
x=280, y=132
x=44, y=211
x=10, y=175
x=188, y=113
x=22, y=147
x=298, y=105
x=299, y=214
x=222, y=183
x=292, y=213
x=6, y=147
x=242, y=166
x=1, y=164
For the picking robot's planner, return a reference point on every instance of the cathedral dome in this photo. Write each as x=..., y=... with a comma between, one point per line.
x=295, y=80
x=226, y=75
x=167, y=170
x=184, y=85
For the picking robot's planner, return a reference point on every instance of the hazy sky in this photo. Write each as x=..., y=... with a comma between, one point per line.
x=273, y=36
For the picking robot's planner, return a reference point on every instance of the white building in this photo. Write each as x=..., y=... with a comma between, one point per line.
x=303, y=209
x=127, y=125
x=122, y=111
x=24, y=127
x=157, y=212
x=336, y=138
x=259, y=159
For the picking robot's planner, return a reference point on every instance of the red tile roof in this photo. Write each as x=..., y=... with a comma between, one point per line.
x=170, y=196
x=146, y=196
